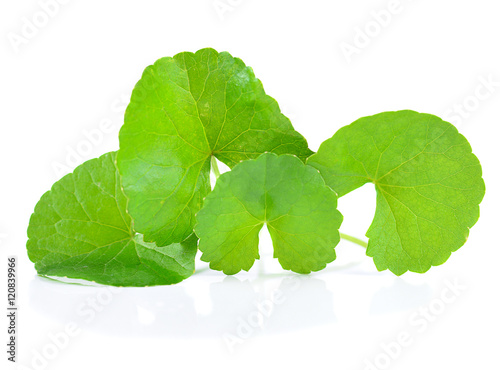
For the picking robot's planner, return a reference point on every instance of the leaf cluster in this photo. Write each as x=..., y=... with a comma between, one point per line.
x=134, y=217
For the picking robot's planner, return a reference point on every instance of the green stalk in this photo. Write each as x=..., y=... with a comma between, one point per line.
x=354, y=240
x=215, y=168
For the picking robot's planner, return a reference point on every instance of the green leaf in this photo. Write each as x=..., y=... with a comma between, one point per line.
x=184, y=110
x=290, y=197
x=428, y=185
x=81, y=229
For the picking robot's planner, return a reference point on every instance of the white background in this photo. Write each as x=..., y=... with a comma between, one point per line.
x=79, y=69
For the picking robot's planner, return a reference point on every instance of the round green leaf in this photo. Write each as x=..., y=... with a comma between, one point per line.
x=184, y=110
x=81, y=229
x=291, y=198
x=428, y=185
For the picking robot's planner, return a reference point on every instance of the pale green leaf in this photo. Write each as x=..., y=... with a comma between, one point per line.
x=184, y=110
x=428, y=185
x=280, y=191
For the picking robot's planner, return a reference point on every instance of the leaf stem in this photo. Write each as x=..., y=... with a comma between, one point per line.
x=354, y=240
x=215, y=168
